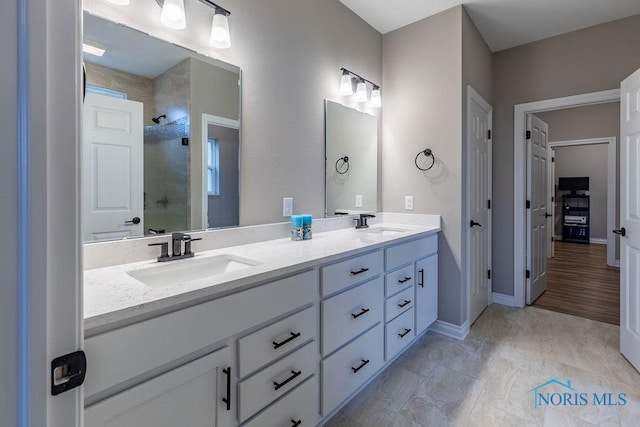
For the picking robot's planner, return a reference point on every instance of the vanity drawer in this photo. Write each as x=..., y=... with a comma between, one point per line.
x=258, y=391
x=346, y=273
x=351, y=367
x=156, y=342
x=399, y=303
x=301, y=405
x=398, y=280
x=347, y=315
x=399, y=333
x=274, y=341
x=410, y=251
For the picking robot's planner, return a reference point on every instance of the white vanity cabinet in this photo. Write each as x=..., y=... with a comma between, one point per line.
x=426, y=292
x=196, y=394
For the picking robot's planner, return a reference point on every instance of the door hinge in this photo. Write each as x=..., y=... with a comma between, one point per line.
x=488, y=274
x=528, y=204
x=553, y=160
x=489, y=204
x=528, y=134
x=68, y=372
x=553, y=239
x=553, y=199
x=489, y=134
x=527, y=274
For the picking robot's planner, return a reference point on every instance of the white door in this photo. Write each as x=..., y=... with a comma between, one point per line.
x=551, y=201
x=538, y=207
x=630, y=219
x=112, y=184
x=478, y=203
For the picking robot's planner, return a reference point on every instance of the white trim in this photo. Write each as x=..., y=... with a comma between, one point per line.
x=458, y=332
x=208, y=119
x=618, y=263
x=503, y=299
x=519, y=128
x=472, y=95
x=599, y=241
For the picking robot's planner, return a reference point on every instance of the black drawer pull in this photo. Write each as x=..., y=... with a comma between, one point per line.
x=421, y=271
x=364, y=310
x=406, y=331
x=227, y=400
x=406, y=279
x=362, y=365
x=362, y=270
x=404, y=304
x=283, y=383
x=295, y=423
x=293, y=336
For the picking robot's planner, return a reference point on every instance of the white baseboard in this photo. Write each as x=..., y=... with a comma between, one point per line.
x=503, y=299
x=450, y=330
x=557, y=238
x=598, y=241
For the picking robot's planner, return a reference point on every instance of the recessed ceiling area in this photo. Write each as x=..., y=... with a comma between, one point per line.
x=502, y=23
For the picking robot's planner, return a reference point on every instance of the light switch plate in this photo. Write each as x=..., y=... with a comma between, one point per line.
x=358, y=200
x=287, y=206
x=408, y=203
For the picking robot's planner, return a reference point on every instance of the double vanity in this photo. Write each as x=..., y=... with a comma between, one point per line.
x=268, y=333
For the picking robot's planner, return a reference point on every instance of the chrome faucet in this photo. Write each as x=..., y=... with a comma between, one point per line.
x=362, y=221
x=176, y=247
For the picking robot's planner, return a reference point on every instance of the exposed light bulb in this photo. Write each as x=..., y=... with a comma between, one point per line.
x=220, y=35
x=376, y=100
x=361, y=92
x=346, y=86
x=120, y=2
x=173, y=15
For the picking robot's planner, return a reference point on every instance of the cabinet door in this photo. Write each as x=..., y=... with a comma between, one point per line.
x=193, y=395
x=426, y=292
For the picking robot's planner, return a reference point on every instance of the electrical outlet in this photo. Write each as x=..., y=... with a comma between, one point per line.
x=287, y=206
x=408, y=203
x=358, y=200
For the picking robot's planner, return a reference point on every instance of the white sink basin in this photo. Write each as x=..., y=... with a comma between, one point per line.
x=188, y=270
x=384, y=230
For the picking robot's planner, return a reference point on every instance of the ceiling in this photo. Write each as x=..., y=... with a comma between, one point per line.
x=502, y=23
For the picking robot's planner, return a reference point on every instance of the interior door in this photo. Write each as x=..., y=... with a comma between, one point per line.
x=537, y=207
x=113, y=180
x=630, y=219
x=478, y=203
x=551, y=190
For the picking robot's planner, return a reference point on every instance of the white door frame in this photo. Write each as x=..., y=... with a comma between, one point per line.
x=612, y=213
x=475, y=96
x=208, y=119
x=520, y=178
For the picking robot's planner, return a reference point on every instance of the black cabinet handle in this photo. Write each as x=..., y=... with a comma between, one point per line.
x=622, y=232
x=473, y=224
x=293, y=336
x=421, y=271
x=364, y=310
x=405, y=303
x=134, y=220
x=295, y=423
x=406, y=279
x=362, y=270
x=283, y=383
x=404, y=334
x=362, y=365
x=227, y=400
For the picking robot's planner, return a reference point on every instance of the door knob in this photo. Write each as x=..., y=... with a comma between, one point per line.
x=622, y=232
x=473, y=223
x=134, y=220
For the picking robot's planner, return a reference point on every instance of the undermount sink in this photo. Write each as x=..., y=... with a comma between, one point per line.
x=384, y=230
x=188, y=270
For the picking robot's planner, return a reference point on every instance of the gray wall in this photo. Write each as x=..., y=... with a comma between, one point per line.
x=223, y=210
x=290, y=53
x=589, y=60
x=422, y=69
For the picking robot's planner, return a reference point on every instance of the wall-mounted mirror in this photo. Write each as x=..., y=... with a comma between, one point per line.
x=161, y=136
x=351, y=160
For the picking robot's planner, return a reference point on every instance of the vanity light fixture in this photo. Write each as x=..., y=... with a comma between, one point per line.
x=93, y=50
x=173, y=14
x=220, y=35
x=346, y=88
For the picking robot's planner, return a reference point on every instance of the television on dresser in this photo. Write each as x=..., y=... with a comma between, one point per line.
x=573, y=183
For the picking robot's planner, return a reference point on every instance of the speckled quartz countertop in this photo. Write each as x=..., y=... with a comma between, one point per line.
x=113, y=298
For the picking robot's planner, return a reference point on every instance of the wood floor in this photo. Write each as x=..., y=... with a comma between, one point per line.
x=580, y=283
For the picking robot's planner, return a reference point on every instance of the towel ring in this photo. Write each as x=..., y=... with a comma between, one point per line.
x=428, y=153
x=345, y=161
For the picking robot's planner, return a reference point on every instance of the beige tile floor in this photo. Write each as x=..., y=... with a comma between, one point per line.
x=485, y=379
